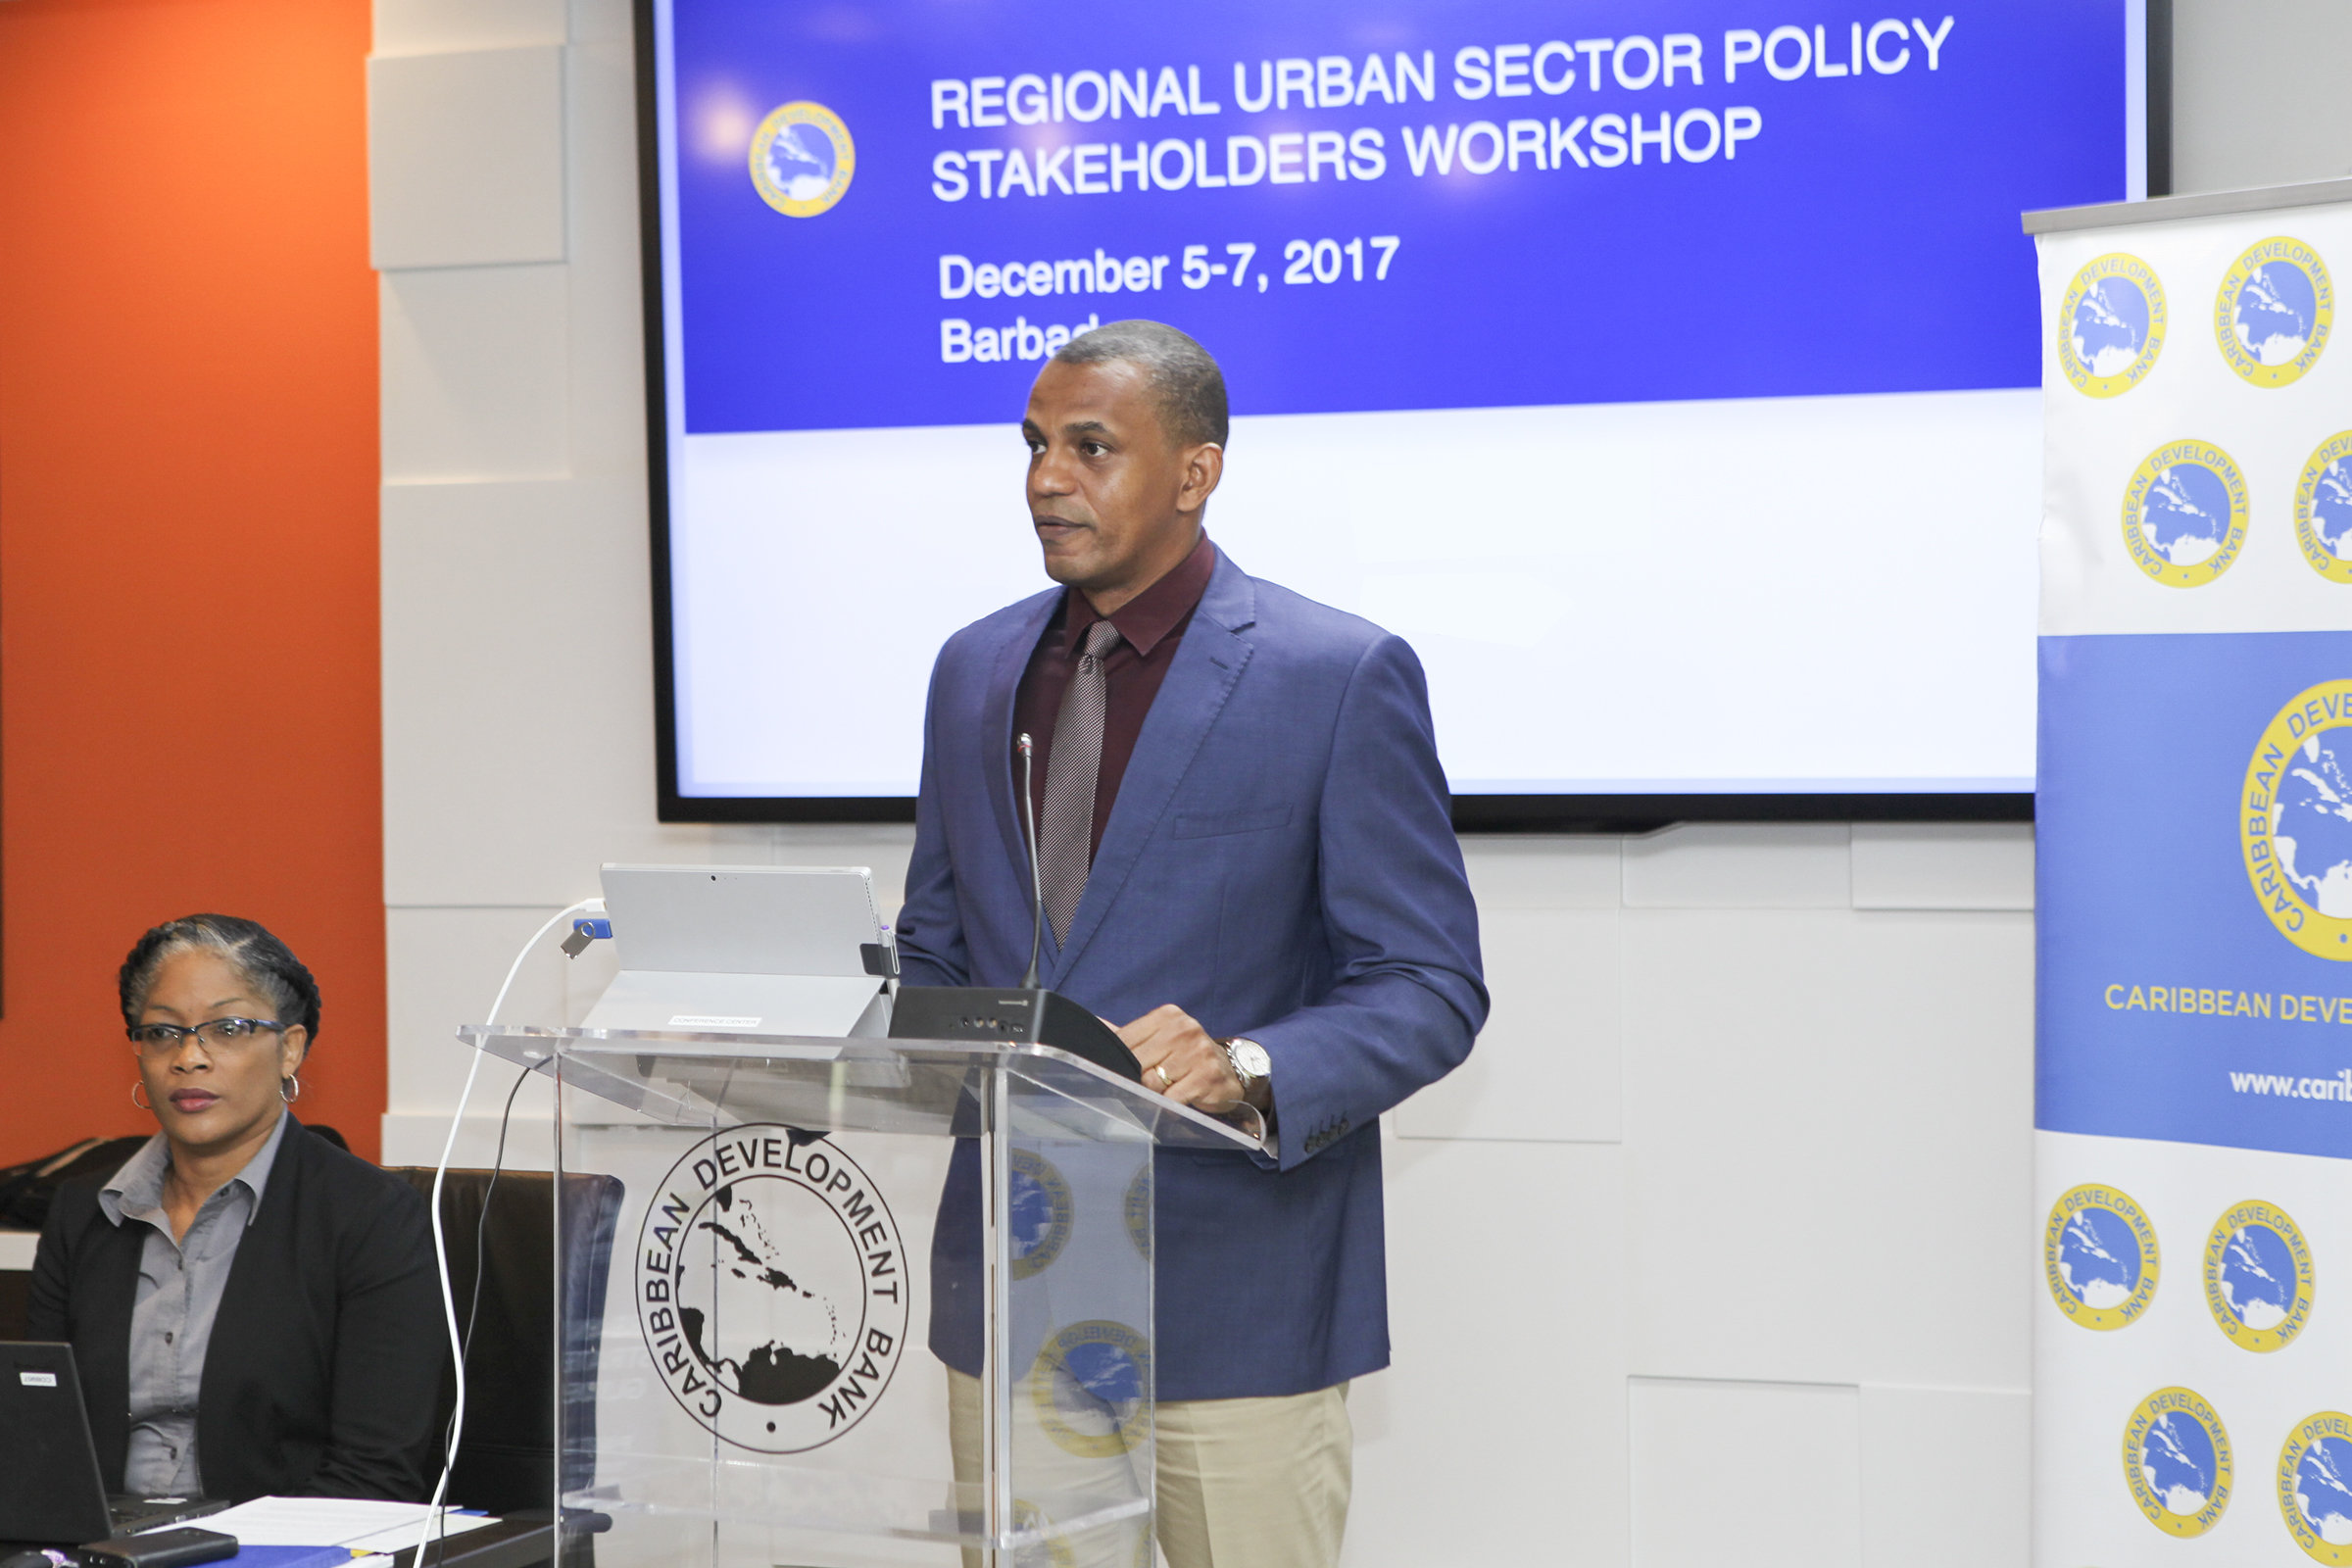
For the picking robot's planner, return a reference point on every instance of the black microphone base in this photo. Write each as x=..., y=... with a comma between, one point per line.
x=1031, y=1015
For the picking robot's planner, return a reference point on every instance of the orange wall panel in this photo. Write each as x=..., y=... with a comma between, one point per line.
x=189, y=709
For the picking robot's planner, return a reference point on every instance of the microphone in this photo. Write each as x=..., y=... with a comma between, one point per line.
x=1037, y=875
x=1026, y=1013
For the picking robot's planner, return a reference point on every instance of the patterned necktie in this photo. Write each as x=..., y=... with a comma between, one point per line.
x=1066, y=835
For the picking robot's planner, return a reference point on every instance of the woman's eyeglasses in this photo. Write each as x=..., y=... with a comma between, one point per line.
x=165, y=1039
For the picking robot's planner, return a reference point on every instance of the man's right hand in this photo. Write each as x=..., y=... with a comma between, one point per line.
x=1183, y=1060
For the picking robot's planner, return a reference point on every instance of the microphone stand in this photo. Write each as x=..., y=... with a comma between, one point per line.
x=1037, y=875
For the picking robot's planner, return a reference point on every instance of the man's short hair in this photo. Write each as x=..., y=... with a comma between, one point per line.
x=1183, y=378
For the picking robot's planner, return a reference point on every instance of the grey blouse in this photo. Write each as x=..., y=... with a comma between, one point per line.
x=171, y=1314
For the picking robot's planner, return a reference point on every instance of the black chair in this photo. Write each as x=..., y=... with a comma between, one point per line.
x=506, y=1461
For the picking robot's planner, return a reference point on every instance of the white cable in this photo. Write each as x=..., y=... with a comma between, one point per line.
x=448, y=1304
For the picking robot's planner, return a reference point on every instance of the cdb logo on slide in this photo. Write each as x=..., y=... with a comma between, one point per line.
x=802, y=159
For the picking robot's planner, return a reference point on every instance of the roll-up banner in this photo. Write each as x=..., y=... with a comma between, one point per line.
x=2193, y=1102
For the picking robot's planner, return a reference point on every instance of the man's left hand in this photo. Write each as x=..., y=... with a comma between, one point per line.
x=1182, y=1060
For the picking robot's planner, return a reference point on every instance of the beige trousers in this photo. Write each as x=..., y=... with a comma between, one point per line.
x=1242, y=1483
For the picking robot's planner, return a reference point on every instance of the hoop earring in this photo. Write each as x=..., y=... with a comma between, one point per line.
x=138, y=1084
x=281, y=1090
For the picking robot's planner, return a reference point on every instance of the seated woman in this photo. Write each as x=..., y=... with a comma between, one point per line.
x=253, y=1310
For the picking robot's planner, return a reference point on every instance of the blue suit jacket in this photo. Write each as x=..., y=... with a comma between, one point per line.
x=1280, y=863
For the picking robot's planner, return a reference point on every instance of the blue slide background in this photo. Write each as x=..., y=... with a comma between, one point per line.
x=2140, y=880
x=1866, y=241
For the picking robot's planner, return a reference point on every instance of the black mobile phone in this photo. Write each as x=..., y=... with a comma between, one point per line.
x=162, y=1549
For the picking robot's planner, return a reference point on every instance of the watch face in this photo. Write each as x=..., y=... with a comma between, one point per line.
x=1251, y=1059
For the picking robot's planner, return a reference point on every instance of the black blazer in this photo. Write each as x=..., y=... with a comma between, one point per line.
x=329, y=1351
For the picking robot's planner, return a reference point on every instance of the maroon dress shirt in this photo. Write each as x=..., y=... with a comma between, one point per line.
x=1151, y=626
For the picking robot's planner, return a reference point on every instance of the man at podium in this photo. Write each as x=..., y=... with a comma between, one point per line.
x=1247, y=863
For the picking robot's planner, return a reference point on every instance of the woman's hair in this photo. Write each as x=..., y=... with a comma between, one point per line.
x=266, y=962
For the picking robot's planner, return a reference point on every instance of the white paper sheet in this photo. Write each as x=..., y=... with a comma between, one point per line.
x=359, y=1522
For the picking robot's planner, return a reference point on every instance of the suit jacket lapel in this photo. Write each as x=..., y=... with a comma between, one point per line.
x=1208, y=662
x=995, y=736
x=257, y=1290
x=108, y=1283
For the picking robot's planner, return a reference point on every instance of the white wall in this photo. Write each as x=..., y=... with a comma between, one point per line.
x=1740, y=1165
x=2258, y=94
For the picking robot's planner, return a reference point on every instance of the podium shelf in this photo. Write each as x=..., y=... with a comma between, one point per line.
x=925, y=1088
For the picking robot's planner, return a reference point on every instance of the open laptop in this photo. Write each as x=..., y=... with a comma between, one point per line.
x=51, y=1493
x=772, y=950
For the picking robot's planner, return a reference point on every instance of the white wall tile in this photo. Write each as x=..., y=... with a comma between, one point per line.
x=465, y=158
x=1544, y=871
x=1498, y=1435
x=439, y=26
x=2249, y=112
x=418, y=1136
x=518, y=709
x=1759, y=1474
x=1946, y=1478
x=444, y=967
x=1549, y=1065
x=1737, y=866
x=1943, y=865
x=1800, y=1085
x=477, y=365
x=607, y=303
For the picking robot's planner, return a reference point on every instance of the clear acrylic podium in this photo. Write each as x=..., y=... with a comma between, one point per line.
x=755, y=1383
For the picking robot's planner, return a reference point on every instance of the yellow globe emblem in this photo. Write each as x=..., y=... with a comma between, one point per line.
x=2259, y=1281
x=2297, y=794
x=2274, y=311
x=2099, y=1256
x=2315, y=1486
x=2324, y=508
x=802, y=159
x=2184, y=514
x=2111, y=326
x=1091, y=1387
x=2177, y=1461
x=1043, y=1211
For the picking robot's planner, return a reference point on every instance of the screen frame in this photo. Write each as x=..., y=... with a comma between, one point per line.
x=1562, y=812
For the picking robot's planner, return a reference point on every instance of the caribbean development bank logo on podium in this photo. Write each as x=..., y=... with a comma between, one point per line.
x=2098, y=1253
x=2295, y=821
x=771, y=1289
x=2111, y=326
x=2315, y=1486
x=2259, y=1280
x=2274, y=311
x=1087, y=1386
x=2184, y=514
x=2177, y=1461
x=1041, y=1214
x=802, y=159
